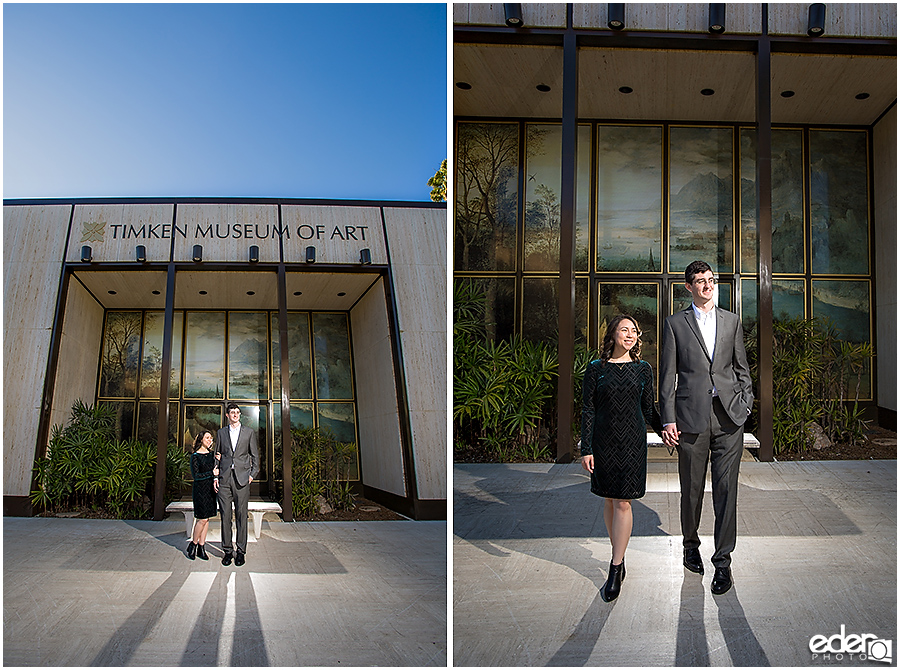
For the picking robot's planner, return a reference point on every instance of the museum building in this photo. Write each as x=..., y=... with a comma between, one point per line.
x=600, y=148
x=105, y=298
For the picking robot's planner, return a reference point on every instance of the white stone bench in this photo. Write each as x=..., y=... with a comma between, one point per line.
x=255, y=508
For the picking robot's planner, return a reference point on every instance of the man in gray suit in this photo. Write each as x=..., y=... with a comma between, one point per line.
x=238, y=465
x=706, y=395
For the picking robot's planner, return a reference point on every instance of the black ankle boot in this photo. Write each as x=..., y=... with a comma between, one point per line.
x=613, y=585
x=201, y=552
x=191, y=550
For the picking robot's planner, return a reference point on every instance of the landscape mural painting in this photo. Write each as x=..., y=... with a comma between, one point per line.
x=331, y=335
x=540, y=312
x=845, y=303
x=487, y=173
x=839, y=204
x=701, y=203
x=204, y=357
x=298, y=354
x=248, y=361
x=629, y=198
x=787, y=202
x=788, y=301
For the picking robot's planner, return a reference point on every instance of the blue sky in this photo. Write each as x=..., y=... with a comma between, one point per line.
x=224, y=100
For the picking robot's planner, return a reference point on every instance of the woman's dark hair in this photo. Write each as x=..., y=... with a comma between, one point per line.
x=199, y=439
x=694, y=269
x=609, y=341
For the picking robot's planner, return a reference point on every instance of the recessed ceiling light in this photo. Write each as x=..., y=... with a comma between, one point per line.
x=862, y=96
x=543, y=88
x=341, y=294
x=111, y=292
x=251, y=292
x=625, y=89
x=298, y=292
x=707, y=91
x=464, y=85
x=787, y=94
x=155, y=292
x=202, y=292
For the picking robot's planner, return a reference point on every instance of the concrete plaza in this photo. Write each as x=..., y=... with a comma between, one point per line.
x=83, y=592
x=817, y=550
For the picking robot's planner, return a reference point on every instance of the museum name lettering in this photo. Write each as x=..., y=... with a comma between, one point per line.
x=246, y=231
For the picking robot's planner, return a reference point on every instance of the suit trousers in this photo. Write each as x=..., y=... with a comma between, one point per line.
x=721, y=444
x=232, y=494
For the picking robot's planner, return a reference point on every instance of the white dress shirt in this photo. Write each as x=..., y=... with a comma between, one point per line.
x=707, y=323
x=235, y=433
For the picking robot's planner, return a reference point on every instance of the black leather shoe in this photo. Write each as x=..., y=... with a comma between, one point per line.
x=226, y=559
x=239, y=560
x=201, y=552
x=692, y=561
x=721, y=581
x=613, y=585
x=191, y=551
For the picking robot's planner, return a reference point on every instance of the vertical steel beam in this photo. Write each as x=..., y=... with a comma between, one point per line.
x=765, y=349
x=565, y=392
x=162, y=430
x=286, y=448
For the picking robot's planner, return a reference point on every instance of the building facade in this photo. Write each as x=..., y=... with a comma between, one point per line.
x=600, y=148
x=104, y=299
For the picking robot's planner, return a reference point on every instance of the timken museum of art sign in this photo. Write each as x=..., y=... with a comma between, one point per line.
x=352, y=294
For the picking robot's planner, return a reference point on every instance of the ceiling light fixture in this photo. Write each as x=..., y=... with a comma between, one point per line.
x=615, y=13
x=513, y=12
x=717, y=17
x=816, y=24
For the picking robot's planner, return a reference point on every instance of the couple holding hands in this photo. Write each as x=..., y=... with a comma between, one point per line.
x=705, y=397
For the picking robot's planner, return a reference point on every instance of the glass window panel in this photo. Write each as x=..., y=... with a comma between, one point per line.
x=540, y=309
x=543, y=155
x=151, y=361
x=204, y=365
x=788, y=299
x=298, y=355
x=629, y=198
x=177, y=337
x=487, y=171
x=749, y=304
x=301, y=417
x=124, y=419
x=701, y=208
x=845, y=304
x=148, y=415
x=256, y=418
x=787, y=202
x=582, y=298
x=499, y=305
x=583, y=201
x=641, y=302
x=839, y=209
x=247, y=355
x=200, y=417
x=332, y=351
x=121, y=353
x=340, y=418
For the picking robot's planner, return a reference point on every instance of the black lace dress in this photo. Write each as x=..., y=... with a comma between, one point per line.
x=202, y=465
x=618, y=405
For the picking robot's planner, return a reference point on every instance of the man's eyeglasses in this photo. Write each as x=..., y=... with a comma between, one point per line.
x=706, y=282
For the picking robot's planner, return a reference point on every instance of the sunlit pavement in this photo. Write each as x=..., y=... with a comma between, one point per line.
x=816, y=550
x=82, y=592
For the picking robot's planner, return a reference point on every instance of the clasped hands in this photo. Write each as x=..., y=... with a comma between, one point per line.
x=670, y=435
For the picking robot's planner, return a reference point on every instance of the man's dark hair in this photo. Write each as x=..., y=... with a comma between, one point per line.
x=230, y=406
x=694, y=269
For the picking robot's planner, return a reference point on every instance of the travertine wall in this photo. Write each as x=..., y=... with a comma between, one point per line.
x=114, y=231
x=337, y=233
x=379, y=422
x=226, y=232
x=885, y=161
x=34, y=240
x=418, y=250
x=79, y=353
x=841, y=19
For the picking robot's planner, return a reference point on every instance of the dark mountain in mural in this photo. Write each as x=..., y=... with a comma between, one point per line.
x=704, y=195
x=250, y=354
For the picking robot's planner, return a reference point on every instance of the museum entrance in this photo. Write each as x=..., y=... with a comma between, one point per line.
x=221, y=356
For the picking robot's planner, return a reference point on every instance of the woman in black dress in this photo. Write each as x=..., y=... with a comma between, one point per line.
x=618, y=405
x=204, y=470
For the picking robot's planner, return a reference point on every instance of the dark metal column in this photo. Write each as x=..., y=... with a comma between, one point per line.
x=565, y=392
x=286, y=503
x=162, y=433
x=765, y=430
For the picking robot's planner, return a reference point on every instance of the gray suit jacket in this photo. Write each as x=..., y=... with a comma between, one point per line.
x=686, y=361
x=245, y=455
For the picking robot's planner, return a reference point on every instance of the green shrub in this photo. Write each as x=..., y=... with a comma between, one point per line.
x=87, y=467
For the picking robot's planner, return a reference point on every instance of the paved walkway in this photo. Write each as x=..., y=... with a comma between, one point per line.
x=817, y=550
x=81, y=592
